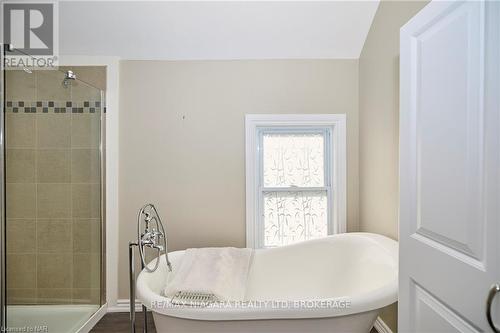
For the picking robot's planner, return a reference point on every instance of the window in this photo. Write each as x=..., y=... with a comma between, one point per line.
x=295, y=171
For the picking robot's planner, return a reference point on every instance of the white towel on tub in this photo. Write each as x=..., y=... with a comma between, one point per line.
x=220, y=271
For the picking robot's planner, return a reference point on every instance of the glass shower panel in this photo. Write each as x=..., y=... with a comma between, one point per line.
x=53, y=200
x=86, y=111
x=20, y=190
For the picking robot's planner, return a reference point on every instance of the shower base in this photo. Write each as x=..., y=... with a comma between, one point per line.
x=49, y=318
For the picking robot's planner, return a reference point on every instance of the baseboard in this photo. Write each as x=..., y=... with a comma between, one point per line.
x=93, y=320
x=381, y=326
x=123, y=305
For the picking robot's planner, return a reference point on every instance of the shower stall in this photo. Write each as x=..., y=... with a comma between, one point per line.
x=52, y=197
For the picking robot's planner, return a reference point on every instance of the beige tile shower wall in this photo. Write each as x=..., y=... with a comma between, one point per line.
x=52, y=175
x=378, y=124
x=182, y=139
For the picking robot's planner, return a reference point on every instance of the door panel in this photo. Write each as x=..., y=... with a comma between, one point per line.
x=449, y=166
x=449, y=125
x=431, y=315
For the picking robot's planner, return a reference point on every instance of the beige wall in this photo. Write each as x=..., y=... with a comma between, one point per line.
x=378, y=124
x=182, y=139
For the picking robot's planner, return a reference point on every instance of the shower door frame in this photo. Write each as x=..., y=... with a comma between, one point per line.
x=102, y=153
x=3, y=240
x=103, y=168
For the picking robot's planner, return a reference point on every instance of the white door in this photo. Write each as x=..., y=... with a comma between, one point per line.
x=450, y=167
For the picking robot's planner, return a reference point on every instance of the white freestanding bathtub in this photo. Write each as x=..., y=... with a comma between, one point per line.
x=333, y=284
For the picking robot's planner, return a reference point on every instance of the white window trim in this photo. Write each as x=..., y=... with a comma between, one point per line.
x=338, y=171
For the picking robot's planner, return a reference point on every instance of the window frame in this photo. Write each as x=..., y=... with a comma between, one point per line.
x=335, y=177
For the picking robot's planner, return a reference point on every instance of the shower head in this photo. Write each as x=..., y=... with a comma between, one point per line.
x=27, y=70
x=68, y=77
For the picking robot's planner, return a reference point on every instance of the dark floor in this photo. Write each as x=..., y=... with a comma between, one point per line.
x=120, y=323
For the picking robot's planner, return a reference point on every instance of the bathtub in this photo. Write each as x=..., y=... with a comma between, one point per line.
x=333, y=284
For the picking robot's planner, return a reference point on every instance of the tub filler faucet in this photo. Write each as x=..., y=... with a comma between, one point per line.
x=150, y=234
x=153, y=236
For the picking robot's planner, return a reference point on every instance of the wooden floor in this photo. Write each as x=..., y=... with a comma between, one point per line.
x=119, y=323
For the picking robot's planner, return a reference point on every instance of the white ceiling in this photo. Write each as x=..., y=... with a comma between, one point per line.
x=215, y=30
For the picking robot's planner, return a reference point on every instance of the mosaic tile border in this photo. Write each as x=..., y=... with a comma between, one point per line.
x=54, y=107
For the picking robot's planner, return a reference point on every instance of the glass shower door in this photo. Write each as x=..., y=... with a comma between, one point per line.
x=53, y=191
